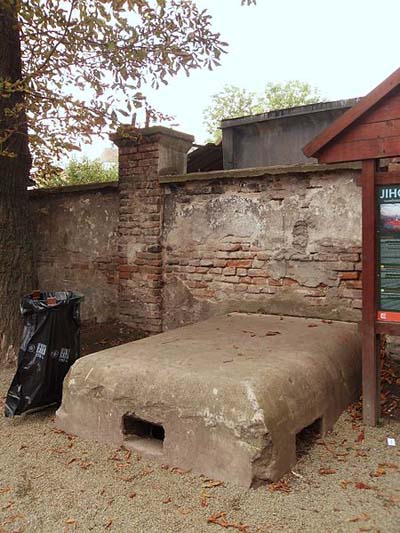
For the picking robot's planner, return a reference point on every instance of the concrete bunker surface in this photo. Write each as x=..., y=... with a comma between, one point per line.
x=227, y=397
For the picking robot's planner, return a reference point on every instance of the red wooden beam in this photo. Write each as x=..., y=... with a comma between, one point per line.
x=387, y=178
x=344, y=121
x=370, y=339
x=388, y=328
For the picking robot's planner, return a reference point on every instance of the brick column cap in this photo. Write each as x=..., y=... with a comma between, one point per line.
x=127, y=135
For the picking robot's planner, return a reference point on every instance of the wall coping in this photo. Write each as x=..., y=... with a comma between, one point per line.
x=305, y=109
x=259, y=172
x=85, y=187
x=127, y=134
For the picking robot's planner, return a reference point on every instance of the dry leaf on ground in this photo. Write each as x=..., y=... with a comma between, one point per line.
x=279, y=486
x=379, y=472
x=220, y=520
x=209, y=484
x=360, y=437
x=362, y=486
x=326, y=471
x=360, y=518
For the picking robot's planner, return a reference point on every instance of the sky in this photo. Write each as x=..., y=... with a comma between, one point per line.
x=343, y=47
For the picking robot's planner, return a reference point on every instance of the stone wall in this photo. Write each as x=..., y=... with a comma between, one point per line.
x=77, y=245
x=157, y=251
x=283, y=240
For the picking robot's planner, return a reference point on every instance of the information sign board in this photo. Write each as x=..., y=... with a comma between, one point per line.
x=388, y=253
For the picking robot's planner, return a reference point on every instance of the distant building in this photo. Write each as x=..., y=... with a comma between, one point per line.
x=277, y=137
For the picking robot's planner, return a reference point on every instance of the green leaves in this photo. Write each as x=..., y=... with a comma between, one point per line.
x=79, y=172
x=84, y=62
x=234, y=102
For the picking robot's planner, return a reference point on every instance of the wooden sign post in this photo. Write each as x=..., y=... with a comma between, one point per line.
x=370, y=132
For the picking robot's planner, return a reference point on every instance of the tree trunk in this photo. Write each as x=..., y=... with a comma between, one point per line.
x=16, y=229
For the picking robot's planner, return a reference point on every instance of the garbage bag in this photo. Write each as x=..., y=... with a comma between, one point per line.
x=50, y=345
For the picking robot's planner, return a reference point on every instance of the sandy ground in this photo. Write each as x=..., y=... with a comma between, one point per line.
x=53, y=482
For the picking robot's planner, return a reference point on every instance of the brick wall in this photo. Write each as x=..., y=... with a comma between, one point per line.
x=285, y=241
x=77, y=245
x=143, y=156
x=162, y=249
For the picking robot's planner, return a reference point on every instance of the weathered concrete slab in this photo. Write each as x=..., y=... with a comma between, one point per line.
x=224, y=397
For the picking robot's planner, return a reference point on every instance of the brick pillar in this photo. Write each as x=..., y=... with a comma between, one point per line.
x=144, y=155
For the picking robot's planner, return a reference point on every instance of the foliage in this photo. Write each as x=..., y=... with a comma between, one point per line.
x=290, y=94
x=85, y=61
x=79, y=172
x=234, y=101
x=231, y=102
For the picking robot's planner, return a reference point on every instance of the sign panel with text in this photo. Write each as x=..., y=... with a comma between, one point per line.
x=388, y=283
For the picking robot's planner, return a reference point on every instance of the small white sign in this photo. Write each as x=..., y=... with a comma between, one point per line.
x=391, y=442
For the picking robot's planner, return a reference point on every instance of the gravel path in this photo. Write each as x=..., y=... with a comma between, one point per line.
x=53, y=482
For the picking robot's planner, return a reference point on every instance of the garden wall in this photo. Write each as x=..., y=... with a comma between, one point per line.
x=163, y=248
x=77, y=245
x=282, y=240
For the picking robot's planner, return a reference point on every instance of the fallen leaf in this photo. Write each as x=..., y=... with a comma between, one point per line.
x=5, y=489
x=128, y=478
x=220, y=520
x=379, y=472
x=177, y=470
x=9, y=504
x=362, y=486
x=70, y=521
x=279, y=486
x=145, y=472
x=58, y=450
x=167, y=500
x=326, y=471
x=209, y=483
x=132, y=494
x=204, y=502
x=85, y=465
x=312, y=325
x=360, y=437
x=345, y=483
x=360, y=518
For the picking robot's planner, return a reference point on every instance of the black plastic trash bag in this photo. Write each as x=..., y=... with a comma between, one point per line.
x=50, y=345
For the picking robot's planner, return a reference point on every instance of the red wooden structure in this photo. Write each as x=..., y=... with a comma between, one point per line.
x=370, y=132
